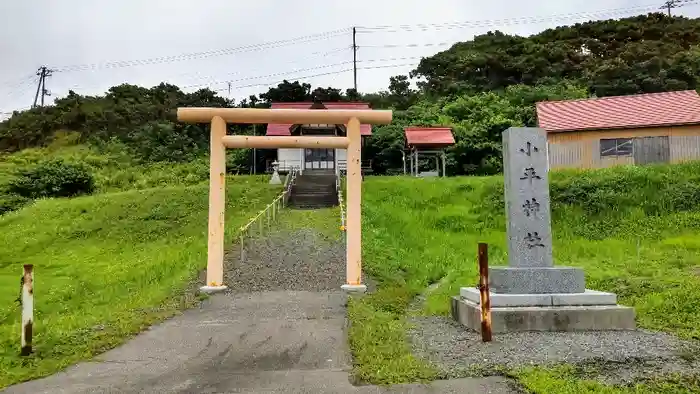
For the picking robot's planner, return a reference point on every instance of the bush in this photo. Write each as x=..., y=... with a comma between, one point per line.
x=166, y=141
x=53, y=178
x=238, y=161
x=11, y=202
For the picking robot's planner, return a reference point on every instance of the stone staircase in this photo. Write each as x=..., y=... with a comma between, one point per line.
x=314, y=189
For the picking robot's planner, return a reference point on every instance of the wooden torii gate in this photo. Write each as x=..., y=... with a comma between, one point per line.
x=219, y=141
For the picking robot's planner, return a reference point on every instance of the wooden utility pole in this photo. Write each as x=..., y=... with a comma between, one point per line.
x=668, y=4
x=40, y=73
x=43, y=72
x=354, y=57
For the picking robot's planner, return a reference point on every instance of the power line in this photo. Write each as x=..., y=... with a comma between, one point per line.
x=512, y=21
x=429, y=44
x=202, y=55
x=673, y=4
x=354, y=62
x=296, y=71
x=22, y=86
x=318, y=75
x=212, y=80
x=19, y=81
x=312, y=55
x=267, y=75
x=361, y=29
x=344, y=32
x=355, y=30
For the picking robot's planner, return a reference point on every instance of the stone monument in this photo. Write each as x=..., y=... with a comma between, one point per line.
x=275, y=180
x=531, y=294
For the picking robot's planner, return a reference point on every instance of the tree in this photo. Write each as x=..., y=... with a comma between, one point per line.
x=288, y=92
x=327, y=94
x=641, y=54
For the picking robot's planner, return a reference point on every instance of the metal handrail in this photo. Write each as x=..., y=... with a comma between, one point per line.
x=271, y=212
x=289, y=182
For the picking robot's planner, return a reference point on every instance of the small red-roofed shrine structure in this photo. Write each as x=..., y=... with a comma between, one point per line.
x=427, y=141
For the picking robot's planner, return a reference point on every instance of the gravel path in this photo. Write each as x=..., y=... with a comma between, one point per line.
x=300, y=260
x=296, y=260
x=623, y=356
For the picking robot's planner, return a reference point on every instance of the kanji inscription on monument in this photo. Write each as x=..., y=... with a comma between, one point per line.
x=527, y=198
x=530, y=267
x=530, y=149
x=530, y=173
x=531, y=207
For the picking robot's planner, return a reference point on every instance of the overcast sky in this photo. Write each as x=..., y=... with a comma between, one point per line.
x=156, y=39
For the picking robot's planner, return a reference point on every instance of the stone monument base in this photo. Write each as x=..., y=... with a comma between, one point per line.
x=588, y=297
x=588, y=311
x=537, y=280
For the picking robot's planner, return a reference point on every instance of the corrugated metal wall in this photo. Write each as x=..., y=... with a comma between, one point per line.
x=684, y=148
x=582, y=149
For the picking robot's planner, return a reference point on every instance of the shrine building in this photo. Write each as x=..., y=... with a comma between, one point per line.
x=622, y=130
x=423, y=145
x=326, y=160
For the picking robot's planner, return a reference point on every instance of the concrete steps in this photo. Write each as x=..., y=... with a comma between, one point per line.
x=313, y=190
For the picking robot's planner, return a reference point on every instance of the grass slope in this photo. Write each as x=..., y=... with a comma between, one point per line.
x=113, y=170
x=633, y=230
x=106, y=266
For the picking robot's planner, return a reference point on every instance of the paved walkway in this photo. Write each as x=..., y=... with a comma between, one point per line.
x=272, y=342
x=277, y=341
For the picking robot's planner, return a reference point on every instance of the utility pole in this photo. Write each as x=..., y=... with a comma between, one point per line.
x=354, y=57
x=668, y=4
x=42, y=72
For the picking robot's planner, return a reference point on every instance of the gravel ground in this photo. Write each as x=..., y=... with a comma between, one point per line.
x=298, y=260
x=611, y=357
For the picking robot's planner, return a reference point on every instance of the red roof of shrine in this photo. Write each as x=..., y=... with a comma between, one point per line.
x=429, y=136
x=284, y=129
x=621, y=112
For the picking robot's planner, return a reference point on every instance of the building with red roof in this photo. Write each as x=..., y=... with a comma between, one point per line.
x=307, y=159
x=635, y=129
x=427, y=141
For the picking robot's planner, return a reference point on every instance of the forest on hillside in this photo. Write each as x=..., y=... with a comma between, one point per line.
x=479, y=87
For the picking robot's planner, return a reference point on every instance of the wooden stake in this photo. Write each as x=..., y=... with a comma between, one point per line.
x=27, y=299
x=484, y=292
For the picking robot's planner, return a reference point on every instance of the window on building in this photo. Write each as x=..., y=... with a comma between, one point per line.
x=616, y=147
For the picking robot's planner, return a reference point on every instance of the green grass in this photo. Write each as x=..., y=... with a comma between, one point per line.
x=109, y=265
x=566, y=380
x=633, y=230
x=106, y=266
x=325, y=221
x=113, y=170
